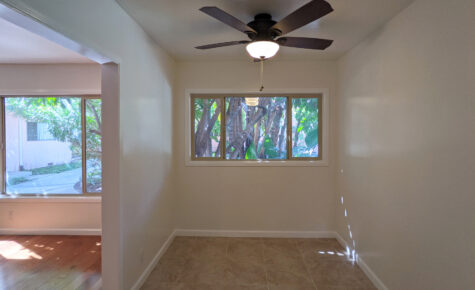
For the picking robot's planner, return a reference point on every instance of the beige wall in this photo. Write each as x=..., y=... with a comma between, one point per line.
x=62, y=79
x=253, y=198
x=407, y=147
x=57, y=216
x=29, y=215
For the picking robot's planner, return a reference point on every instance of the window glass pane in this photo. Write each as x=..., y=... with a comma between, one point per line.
x=207, y=127
x=32, y=131
x=93, y=145
x=305, y=127
x=43, y=167
x=256, y=128
x=44, y=132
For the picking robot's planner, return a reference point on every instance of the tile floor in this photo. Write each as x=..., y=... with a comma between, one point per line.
x=257, y=264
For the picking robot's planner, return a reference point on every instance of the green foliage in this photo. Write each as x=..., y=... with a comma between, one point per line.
x=270, y=149
x=311, y=140
x=207, y=129
x=93, y=145
x=305, y=127
x=63, y=116
x=93, y=129
x=56, y=168
x=255, y=129
x=17, y=180
x=251, y=152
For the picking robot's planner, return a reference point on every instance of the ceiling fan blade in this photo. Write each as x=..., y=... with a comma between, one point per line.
x=226, y=18
x=305, y=42
x=221, y=44
x=311, y=11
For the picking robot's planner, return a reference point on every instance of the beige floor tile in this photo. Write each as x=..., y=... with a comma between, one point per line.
x=246, y=250
x=281, y=279
x=291, y=287
x=193, y=263
x=184, y=286
x=221, y=271
x=167, y=270
x=333, y=273
x=317, y=245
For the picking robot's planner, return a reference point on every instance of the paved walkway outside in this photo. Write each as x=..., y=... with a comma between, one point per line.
x=55, y=183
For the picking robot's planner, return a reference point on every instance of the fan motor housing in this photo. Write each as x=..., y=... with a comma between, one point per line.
x=262, y=24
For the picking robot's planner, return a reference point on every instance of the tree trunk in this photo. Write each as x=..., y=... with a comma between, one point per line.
x=282, y=136
x=200, y=140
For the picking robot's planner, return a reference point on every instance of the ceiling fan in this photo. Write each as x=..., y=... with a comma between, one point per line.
x=265, y=34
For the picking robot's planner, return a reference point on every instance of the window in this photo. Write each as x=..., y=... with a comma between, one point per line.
x=68, y=162
x=259, y=127
x=38, y=132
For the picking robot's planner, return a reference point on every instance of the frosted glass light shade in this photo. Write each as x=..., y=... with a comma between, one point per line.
x=252, y=102
x=262, y=49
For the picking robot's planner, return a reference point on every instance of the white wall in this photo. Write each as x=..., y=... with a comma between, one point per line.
x=407, y=147
x=59, y=215
x=253, y=198
x=146, y=78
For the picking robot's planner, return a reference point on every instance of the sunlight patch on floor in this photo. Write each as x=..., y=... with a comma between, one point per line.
x=12, y=250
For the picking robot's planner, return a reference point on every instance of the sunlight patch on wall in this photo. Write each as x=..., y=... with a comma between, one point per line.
x=351, y=253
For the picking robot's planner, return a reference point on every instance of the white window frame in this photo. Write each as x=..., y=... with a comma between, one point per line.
x=250, y=163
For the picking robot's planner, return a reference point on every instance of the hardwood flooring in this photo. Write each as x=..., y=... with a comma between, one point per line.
x=50, y=262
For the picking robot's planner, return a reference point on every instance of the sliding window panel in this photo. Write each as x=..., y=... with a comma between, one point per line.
x=206, y=126
x=256, y=128
x=306, y=127
x=93, y=130
x=43, y=145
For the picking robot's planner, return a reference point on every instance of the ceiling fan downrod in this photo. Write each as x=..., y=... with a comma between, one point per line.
x=262, y=74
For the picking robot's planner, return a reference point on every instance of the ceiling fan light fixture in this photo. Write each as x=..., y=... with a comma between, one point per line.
x=262, y=49
x=252, y=102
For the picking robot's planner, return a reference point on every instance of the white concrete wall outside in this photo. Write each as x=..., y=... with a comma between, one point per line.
x=31, y=154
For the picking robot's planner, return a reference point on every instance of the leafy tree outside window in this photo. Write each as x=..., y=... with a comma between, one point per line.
x=64, y=121
x=256, y=127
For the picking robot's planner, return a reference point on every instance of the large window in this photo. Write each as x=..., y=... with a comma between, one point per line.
x=52, y=145
x=270, y=127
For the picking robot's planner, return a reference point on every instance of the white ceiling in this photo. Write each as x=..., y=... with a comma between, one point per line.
x=178, y=26
x=18, y=45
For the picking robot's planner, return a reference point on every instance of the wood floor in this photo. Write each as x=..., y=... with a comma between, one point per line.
x=193, y=263
x=50, y=262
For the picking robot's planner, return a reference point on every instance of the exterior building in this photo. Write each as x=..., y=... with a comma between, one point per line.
x=29, y=145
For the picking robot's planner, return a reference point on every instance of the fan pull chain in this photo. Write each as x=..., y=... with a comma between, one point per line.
x=262, y=74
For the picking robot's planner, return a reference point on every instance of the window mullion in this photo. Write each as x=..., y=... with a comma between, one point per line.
x=223, y=128
x=289, y=127
x=3, y=162
x=83, y=144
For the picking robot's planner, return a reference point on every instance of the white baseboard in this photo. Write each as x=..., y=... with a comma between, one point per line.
x=51, y=231
x=371, y=275
x=364, y=267
x=153, y=263
x=252, y=234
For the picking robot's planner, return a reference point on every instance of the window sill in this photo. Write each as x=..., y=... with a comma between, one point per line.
x=49, y=199
x=258, y=163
